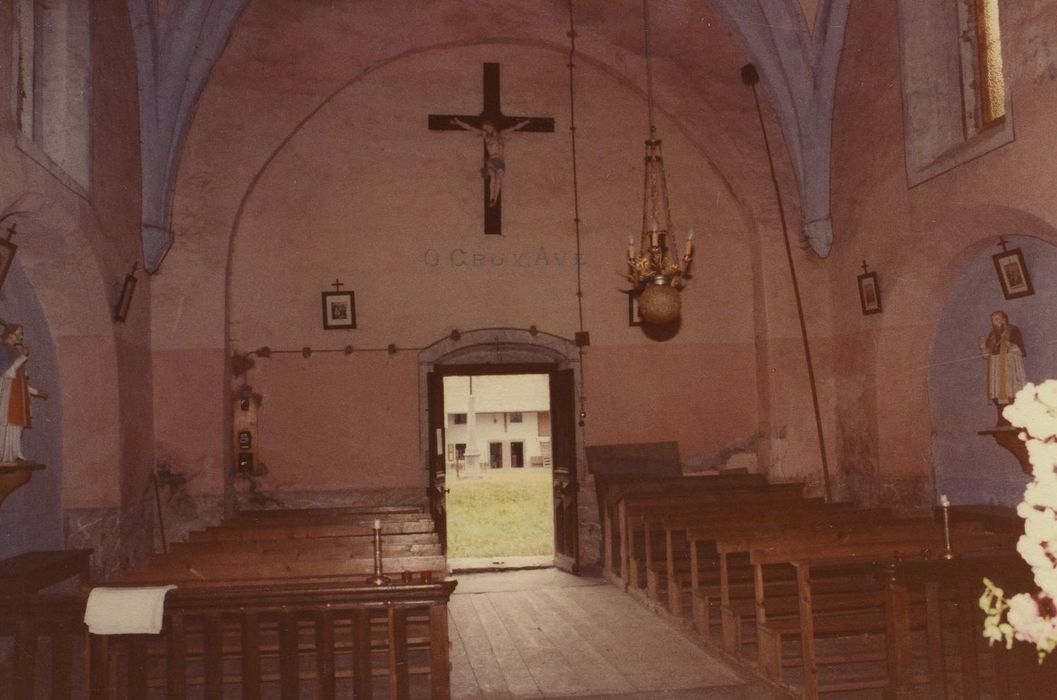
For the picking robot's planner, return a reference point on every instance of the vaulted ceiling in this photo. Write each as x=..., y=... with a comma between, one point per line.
x=795, y=44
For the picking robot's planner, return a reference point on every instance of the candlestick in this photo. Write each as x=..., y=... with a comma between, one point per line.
x=946, y=505
x=378, y=579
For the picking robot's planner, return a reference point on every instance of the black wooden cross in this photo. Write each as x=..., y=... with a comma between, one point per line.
x=492, y=113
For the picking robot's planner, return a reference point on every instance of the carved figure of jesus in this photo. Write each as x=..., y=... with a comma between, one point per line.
x=494, y=145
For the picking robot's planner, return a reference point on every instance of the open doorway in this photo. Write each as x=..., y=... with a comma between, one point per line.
x=500, y=504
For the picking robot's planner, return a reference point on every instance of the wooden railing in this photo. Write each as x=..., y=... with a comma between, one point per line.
x=290, y=639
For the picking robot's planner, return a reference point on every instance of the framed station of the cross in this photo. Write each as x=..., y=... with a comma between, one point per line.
x=339, y=310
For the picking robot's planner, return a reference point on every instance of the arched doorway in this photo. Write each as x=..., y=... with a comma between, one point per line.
x=509, y=351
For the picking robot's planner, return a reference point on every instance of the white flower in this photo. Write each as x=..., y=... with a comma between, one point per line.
x=1047, y=393
x=1027, y=623
x=1035, y=410
x=1038, y=418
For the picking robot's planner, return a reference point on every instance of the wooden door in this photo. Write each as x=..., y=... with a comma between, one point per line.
x=563, y=446
x=435, y=460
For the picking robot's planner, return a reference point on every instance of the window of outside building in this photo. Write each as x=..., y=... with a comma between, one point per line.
x=516, y=417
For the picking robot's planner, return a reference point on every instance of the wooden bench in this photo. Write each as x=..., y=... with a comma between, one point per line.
x=784, y=540
x=711, y=575
x=951, y=589
x=31, y=572
x=328, y=516
x=282, y=531
x=261, y=563
x=344, y=640
x=277, y=547
x=680, y=571
x=613, y=490
x=633, y=511
x=809, y=626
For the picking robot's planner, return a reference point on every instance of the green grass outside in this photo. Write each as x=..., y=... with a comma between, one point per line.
x=507, y=512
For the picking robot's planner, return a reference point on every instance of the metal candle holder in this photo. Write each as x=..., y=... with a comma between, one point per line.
x=946, y=505
x=378, y=579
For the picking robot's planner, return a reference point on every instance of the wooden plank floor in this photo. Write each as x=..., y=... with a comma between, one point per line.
x=547, y=634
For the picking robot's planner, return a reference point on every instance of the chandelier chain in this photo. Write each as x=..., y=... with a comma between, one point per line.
x=649, y=65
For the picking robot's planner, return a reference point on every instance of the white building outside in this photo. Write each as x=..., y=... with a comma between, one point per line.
x=505, y=417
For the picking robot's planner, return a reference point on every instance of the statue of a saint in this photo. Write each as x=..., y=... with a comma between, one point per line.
x=15, y=393
x=1005, y=352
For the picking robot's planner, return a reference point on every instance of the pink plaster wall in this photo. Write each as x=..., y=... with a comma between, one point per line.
x=336, y=421
x=191, y=439
x=309, y=159
x=702, y=396
x=74, y=247
x=920, y=240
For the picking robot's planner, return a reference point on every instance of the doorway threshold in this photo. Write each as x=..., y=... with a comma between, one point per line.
x=478, y=564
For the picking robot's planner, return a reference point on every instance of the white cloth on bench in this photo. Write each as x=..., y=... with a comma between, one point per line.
x=126, y=610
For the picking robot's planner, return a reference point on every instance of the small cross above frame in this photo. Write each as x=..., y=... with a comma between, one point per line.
x=337, y=284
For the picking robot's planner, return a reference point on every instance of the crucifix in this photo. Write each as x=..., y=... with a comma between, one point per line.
x=491, y=124
x=337, y=284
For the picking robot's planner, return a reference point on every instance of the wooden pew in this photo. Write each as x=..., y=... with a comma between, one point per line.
x=316, y=513
x=679, y=572
x=277, y=547
x=325, y=641
x=329, y=516
x=740, y=603
x=951, y=590
x=634, y=510
x=282, y=597
x=707, y=561
x=612, y=491
x=259, y=558
x=770, y=581
x=282, y=531
x=31, y=572
x=808, y=625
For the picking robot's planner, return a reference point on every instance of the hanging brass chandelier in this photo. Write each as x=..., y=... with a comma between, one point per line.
x=655, y=268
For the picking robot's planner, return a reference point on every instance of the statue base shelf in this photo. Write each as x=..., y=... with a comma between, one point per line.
x=15, y=474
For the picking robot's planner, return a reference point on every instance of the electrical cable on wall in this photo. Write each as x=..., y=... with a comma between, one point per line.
x=582, y=334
